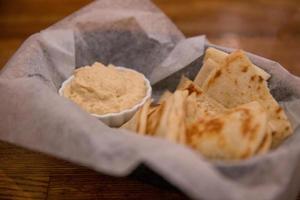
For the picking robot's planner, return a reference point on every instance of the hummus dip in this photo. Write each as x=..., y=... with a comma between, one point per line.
x=101, y=90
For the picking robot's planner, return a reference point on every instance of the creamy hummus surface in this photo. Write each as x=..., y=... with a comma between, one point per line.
x=100, y=90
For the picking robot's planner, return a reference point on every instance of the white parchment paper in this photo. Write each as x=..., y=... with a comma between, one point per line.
x=136, y=34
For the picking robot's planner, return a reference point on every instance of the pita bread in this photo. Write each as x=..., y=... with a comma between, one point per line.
x=227, y=113
x=152, y=109
x=266, y=143
x=220, y=56
x=191, y=110
x=154, y=118
x=171, y=125
x=208, y=66
x=138, y=122
x=235, y=82
x=203, y=103
x=184, y=83
x=215, y=55
x=143, y=115
x=132, y=124
x=235, y=134
x=165, y=96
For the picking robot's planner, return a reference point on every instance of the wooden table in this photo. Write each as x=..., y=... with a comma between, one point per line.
x=268, y=28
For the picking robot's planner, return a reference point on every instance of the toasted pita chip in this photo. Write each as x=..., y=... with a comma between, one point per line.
x=183, y=83
x=191, y=111
x=143, y=115
x=164, y=96
x=265, y=145
x=132, y=124
x=236, y=82
x=220, y=56
x=215, y=55
x=208, y=106
x=235, y=134
x=187, y=84
x=171, y=125
x=201, y=102
x=153, y=118
x=199, y=107
x=208, y=66
x=152, y=109
x=139, y=121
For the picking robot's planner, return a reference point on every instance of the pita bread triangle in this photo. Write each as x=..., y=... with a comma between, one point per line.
x=219, y=57
x=234, y=134
x=236, y=82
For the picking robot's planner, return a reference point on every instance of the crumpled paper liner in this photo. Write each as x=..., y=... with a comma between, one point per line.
x=136, y=34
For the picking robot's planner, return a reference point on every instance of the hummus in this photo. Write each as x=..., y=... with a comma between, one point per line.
x=100, y=90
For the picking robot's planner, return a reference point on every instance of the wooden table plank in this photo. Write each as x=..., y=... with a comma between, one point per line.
x=267, y=28
x=96, y=186
x=32, y=175
x=21, y=18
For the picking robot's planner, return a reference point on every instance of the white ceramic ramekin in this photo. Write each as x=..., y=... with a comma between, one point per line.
x=117, y=119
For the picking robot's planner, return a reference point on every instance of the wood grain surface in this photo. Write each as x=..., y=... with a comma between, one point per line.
x=270, y=28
